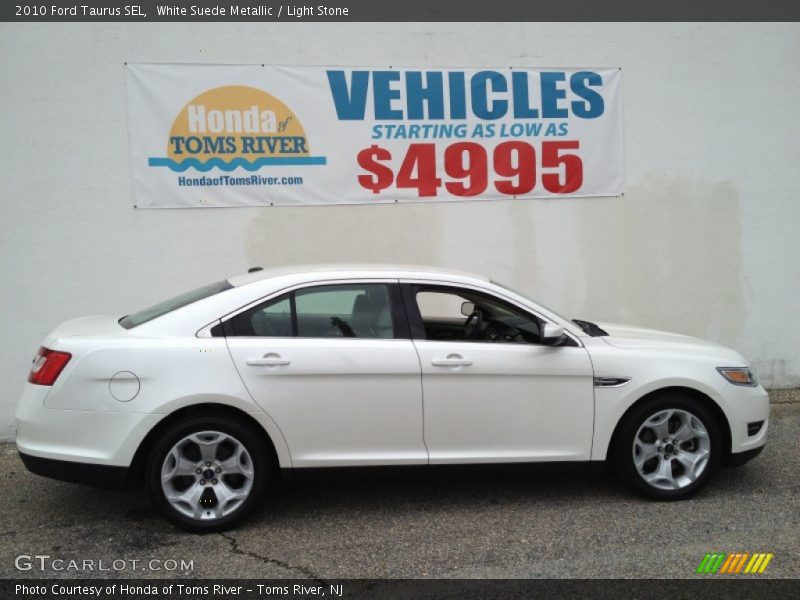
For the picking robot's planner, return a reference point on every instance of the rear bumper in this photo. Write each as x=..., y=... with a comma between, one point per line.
x=105, y=438
x=103, y=476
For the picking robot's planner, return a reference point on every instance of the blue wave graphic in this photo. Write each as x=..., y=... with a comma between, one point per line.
x=234, y=163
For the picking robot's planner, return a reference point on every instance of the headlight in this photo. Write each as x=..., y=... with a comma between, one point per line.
x=738, y=375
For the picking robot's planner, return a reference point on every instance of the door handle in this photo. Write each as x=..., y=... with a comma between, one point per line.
x=268, y=361
x=452, y=360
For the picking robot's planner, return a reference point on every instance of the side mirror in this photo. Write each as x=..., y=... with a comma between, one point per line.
x=552, y=334
x=467, y=308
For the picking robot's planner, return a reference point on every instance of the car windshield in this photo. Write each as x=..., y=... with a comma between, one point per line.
x=513, y=291
x=175, y=303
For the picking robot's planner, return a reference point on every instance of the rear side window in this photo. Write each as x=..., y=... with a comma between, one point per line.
x=328, y=311
x=271, y=319
x=167, y=306
x=361, y=311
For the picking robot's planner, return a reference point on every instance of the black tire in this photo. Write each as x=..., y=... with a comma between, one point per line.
x=623, y=457
x=255, y=445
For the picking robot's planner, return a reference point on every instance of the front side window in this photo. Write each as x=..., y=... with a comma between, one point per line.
x=326, y=311
x=456, y=314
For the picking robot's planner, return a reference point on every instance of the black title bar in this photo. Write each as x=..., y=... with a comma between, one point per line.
x=744, y=588
x=399, y=10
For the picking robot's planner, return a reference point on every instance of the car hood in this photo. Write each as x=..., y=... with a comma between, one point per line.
x=629, y=336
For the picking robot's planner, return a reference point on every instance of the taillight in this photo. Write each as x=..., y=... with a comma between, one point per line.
x=47, y=366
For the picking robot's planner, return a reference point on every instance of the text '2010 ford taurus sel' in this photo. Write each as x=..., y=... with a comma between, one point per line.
x=207, y=397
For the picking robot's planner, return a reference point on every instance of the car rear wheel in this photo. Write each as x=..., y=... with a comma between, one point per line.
x=208, y=473
x=669, y=447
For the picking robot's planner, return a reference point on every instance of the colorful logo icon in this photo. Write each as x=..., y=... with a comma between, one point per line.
x=235, y=126
x=736, y=563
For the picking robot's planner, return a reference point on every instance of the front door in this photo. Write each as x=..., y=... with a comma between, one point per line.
x=491, y=391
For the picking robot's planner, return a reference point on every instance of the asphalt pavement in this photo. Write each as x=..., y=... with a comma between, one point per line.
x=495, y=526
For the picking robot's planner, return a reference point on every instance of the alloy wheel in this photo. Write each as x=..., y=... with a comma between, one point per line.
x=207, y=475
x=671, y=449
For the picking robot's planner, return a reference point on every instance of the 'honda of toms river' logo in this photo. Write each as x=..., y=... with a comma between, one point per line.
x=734, y=563
x=235, y=126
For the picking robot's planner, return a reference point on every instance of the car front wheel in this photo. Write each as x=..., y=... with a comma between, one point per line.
x=208, y=473
x=669, y=447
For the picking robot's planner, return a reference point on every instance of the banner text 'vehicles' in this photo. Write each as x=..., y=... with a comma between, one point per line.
x=488, y=95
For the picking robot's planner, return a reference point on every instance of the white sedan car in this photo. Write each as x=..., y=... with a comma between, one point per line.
x=209, y=397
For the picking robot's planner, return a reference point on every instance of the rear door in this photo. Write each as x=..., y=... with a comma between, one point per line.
x=334, y=366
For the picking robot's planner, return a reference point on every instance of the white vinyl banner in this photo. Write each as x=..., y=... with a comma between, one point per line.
x=261, y=135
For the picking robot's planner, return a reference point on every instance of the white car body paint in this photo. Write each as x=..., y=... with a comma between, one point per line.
x=331, y=402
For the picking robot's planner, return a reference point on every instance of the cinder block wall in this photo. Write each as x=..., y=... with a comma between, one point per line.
x=705, y=240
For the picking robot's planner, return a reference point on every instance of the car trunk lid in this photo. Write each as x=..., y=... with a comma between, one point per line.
x=95, y=325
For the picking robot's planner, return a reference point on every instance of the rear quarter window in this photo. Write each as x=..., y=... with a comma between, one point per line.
x=167, y=306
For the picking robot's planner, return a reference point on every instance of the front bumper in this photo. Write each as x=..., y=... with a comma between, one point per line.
x=104, y=476
x=743, y=406
x=740, y=458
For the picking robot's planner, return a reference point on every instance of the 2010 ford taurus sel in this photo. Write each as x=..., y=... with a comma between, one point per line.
x=206, y=398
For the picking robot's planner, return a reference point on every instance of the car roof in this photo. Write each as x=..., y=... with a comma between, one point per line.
x=350, y=270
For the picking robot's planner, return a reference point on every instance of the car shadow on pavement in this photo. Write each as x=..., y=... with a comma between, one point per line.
x=68, y=505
